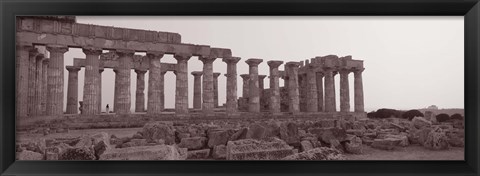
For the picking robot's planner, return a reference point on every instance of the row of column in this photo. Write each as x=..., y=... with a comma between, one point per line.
x=197, y=89
x=315, y=101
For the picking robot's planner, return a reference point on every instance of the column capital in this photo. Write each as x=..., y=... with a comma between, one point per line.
x=207, y=59
x=245, y=76
x=344, y=71
x=182, y=56
x=140, y=71
x=253, y=62
x=57, y=48
x=155, y=54
x=358, y=70
x=128, y=53
x=197, y=73
x=72, y=68
x=92, y=51
x=231, y=60
x=40, y=57
x=215, y=75
x=262, y=76
x=292, y=64
x=33, y=51
x=274, y=63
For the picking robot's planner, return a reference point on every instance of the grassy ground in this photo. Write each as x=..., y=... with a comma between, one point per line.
x=412, y=152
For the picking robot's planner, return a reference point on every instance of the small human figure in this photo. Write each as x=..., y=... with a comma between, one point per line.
x=81, y=107
x=108, y=109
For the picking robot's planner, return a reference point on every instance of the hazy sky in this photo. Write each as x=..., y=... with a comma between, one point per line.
x=410, y=62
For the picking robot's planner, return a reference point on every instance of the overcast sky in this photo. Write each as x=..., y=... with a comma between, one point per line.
x=410, y=62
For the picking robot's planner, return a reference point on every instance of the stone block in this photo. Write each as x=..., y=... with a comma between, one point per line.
x=386, y=144
x=198, y=154
x=306, y=145
x=29, y=155
x=328, y=134
x=325, y=123
x=289, y=133
x=153, y=131
x=51, y=156
x=436, y=140
x=251, y=149
x=101, y=143
x=321, y=153
x=240, y=134
x=193, y=143
x=354, y=145
x=256, y=131
x=80, y=153
x=134, y=143
x=219, y=152
x=420, y=122
x=219, y=137
x=157, y=152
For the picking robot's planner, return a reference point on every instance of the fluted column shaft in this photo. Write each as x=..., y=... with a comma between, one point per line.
x=44, y=86
x=38, y=85
x=181, y=92
x=123, y=75
x=358, y=86
x=155, y=83
x=344, y=91
x=32, y=64
x=208, y=84
x=274, y=98
x=245, y=85
x=329, y=91
x=319, y=79
x=197, y=89
x=55, y=80
x=99, y=89
x=311, y=91
x=23, y=54
x=231, y=103
x=140, y=92
x=90, y=90
x=72, y=90
x=293, y=92
x=162, y=90
x=254, y=91
x=215, y=89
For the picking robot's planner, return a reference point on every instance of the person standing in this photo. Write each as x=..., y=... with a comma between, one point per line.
x=108, y=109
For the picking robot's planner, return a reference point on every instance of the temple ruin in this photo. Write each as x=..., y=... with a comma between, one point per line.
x=308, y=89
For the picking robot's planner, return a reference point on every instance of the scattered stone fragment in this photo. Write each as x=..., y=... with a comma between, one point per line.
x=256, y=131
x=306, y=145
x=328, y=134
x=436, y=140
x=289, y=133
x=153, y=131
x=159, y=152
x=420, y=122
x=198, y=154
x=386, y=144
x=251, y=149
x=219, y=137
x=240, y=134
x=193, y=143
x=354, y=145
x=29, y=155
x=82, y=153
x=219, y=152
x=321, y=153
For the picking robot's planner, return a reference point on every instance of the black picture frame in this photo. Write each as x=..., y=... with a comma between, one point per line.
x=470, y=9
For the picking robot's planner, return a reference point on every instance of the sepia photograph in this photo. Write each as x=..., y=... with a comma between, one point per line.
x=240, y=88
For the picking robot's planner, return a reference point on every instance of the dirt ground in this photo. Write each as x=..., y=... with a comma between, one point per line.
x=412, y=152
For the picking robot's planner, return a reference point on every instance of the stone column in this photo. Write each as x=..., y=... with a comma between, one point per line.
x=319, y=77
x=261, y=87
x=155, y=83
x=90, y=90
x=55, y=80
x=302, y=86
x=215, y=89
x=254, y=92
x=197, y=89
x=329, y=91
x=116, y=91
x=162, y=88
x=32, y=63
x=344, y=91
x=99, y=93
x=123, y=84
x=140, y=92
x=181, y=92
x=21, y=81
x=274, y=86
x=311, y=90
x=232, y=105
x=293, y=92
x=208, y=84
x=72, y=90
x=246, y=81
x=38, y=85
x=44, y=85
x=358, y=86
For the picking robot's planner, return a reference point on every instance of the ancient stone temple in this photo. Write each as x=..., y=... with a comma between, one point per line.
x=308, y=85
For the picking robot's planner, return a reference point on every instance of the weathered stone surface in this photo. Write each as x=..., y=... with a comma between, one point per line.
x=134, y=143
x=251, y=149
x=51, y=156
x=153, y=131
x=289, y=132
x=240, y=134
x=456, y=138
x=322, y=153
x=80, y=153
x=29, y=155
x=193, y=143
x=325, y=123
x=101, y=143
x=436, y=140
x=420, y=122
x=328, y=134
x=403, y=139
x=158, y=152
x=256, y=131
x=418, y=136
x=219, y=137
x=219, y=152
x=386, y=144
x=306, y=145
x=354, y=145
x=198, y=154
